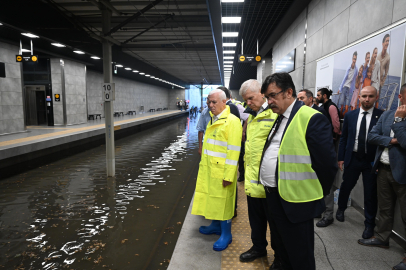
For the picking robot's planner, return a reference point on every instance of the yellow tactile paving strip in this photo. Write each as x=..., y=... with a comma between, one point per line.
x=74, y=130
x=241, y=231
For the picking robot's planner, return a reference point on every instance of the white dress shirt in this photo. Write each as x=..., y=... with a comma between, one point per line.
x=217, y=117
x=263, y=107
x=385, y=154
x=269, y=162
x=360, y=116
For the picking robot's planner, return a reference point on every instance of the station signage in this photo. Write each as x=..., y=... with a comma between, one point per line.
x=31, y=58
x=57, y=97
x=249, y=58
x=109, y=91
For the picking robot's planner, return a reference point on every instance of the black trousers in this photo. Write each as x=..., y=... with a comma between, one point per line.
x=350, y=178
x=294, y=242
x=241, y=160
x=257, y=215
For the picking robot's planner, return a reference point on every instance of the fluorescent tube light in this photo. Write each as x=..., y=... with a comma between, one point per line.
x=58, y=45
x=232, y=1
x=152, y=77
x=29, y=35
x=95, y=57
x=229, y=44
x=231, y=19
x=229, y=52
x=230, y=66
x=228, y=57
x=230, y=34
x=228, y=62
x=142, y=73
x=119, y=65
x=127, y=68
x=147, y=75
x=25, y=50
x=135, y=71
x=79, y=52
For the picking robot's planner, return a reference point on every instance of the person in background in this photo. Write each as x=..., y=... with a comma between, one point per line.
x=216, y=180
x=365, y=65
x=384, y=60
x=323, y=96
x=389, y=135
x=376, y=70
x=358, y=86
x=356, y=155
x=306, y=96
x=367, y=80
x=233, y=108
x=347, y=85
x=181, y=105
x=295, y=172
x=259, y=125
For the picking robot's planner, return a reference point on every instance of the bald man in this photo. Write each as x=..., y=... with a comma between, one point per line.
x=355, y=156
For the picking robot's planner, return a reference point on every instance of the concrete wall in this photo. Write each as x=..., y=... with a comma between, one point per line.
x=11, y=94
x=332, y=25
x=56, y=80
x=130, y=95
x=175, y=95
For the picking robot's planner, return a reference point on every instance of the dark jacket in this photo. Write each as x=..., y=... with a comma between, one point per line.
x=320, y=109
x=380, y=136
x=349, y=132
x=323, y=156
x=233, y=109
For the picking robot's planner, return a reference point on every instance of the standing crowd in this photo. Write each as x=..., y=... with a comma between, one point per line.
x=287, y=151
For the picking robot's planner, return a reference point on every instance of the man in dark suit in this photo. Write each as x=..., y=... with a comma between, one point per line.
x=389, y=135
x=306, y=96
x=356, y=155
x=295, y=178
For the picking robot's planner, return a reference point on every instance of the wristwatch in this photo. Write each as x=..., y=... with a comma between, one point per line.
x=398, y=119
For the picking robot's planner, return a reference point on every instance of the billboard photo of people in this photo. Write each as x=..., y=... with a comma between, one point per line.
x=377, y=61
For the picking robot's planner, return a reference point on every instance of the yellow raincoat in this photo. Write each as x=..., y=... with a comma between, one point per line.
x=221, y=150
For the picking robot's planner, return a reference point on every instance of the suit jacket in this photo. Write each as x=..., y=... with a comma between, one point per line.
x=380, y=136
x=320, y=109
x=349, y=133
x=233, y=109
x=323, y=156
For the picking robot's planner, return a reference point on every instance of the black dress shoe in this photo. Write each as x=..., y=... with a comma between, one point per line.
x=324, y=222
x=340, y=215
x=368, y=233
x=373, y=242
x=401, y=265
x=276, y=265
x=251, y=255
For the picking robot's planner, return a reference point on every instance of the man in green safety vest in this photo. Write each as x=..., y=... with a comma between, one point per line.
x=216, y=181
x=259, y=125
x=298, y=166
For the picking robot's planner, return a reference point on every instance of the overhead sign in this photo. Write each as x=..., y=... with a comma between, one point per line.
x=32, y=58
x=249, y=58
x=109, y=91
x=57, y=97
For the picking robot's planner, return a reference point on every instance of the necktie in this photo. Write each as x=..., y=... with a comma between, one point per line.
x=361, y=136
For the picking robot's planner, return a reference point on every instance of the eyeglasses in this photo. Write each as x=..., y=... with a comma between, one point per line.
x=273, y=95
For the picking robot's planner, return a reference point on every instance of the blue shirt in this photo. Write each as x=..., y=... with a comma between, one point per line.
x=203, y=120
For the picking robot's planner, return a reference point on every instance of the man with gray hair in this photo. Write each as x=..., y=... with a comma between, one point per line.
x=259, y=124
x=216, y=181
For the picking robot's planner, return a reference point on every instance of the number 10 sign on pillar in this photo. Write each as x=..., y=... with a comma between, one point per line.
x=109, y=91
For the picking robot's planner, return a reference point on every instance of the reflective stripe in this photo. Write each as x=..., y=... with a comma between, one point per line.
x=233, y=147
x=295, y=159
x=217, y=142
x=266, y=120
x=297, y=175
x=231, y=162
x=254, y=181
x=215, y=154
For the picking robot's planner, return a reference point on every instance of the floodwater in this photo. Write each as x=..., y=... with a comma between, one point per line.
x=69, y=215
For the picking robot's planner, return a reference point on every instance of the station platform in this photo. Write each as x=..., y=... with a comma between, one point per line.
x=336, y=246
x=39, y=141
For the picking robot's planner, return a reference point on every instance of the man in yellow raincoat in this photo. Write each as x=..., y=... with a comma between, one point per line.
x=216, y=181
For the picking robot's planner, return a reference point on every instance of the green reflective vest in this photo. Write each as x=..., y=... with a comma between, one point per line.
x=297, y=182
x=258, y=129
x=220, y=154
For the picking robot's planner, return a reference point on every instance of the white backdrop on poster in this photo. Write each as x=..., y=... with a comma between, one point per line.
x=335, y=71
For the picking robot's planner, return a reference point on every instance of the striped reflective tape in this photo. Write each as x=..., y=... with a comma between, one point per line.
x=215, y=154
x=231, y=162
x=233, y=147
x=295, y=159
x=217, y=142
x=266, y=120
x=254, y=181
x=297, y=175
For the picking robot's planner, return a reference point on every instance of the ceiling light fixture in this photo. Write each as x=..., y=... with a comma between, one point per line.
x=25, y=50
x=95, y=57
x=228, y=57
x=152, y=77
x=230, y=34
x=135, y=71
x=119, y=65
x=231, y=19
x=229, y=44
x=228, y=62
x=232, y=1
x=142, y=73
x=127, y=68
x=147, y=75
x=79, y=52
x=230, y=66
x=229, y=52
x=58, y=45
x=29, y=35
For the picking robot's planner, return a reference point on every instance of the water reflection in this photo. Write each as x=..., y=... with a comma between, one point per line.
x=68, y=214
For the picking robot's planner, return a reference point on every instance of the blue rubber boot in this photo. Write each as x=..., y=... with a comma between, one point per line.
x=213, y=228
x=225, y=238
